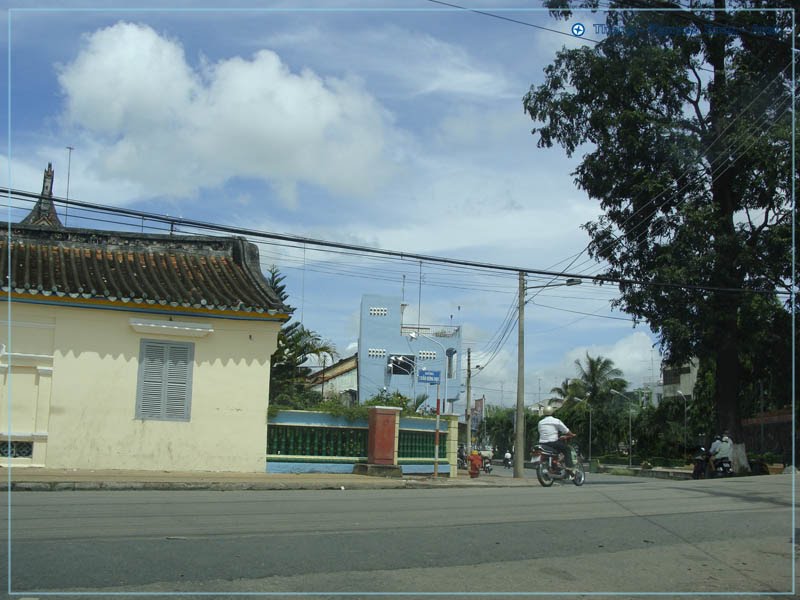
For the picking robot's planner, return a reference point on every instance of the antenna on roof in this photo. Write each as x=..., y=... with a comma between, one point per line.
x=69, y=168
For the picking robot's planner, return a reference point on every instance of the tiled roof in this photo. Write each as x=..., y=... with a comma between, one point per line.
x=44, y=212
x=206, y=273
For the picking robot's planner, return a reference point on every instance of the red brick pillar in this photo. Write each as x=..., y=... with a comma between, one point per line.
x=384, y=424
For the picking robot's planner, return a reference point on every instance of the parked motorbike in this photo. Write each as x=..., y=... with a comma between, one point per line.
x=550, y=466
x=700, y=461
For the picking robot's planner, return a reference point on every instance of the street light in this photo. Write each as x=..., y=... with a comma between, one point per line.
x=519, y=434
x=413, y=336
x=680, y=393
x=630, y=427
x=589, y=406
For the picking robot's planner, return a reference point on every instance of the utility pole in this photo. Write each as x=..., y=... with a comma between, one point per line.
x=469, y=401
x=519, y=436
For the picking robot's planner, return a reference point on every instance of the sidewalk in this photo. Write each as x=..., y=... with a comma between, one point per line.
x=38, y=479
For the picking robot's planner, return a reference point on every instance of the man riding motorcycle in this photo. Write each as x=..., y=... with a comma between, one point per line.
x=551, y=432
x=721, y=449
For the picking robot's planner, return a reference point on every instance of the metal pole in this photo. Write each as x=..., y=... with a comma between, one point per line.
x=685, y=421
x=685, y=425
x=630, y=436
x=590, y=435
x=437, y=406
x=436, y=435
x=468, y=415
x=519, y=436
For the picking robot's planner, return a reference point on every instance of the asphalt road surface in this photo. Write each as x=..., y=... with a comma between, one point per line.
x=615, y=534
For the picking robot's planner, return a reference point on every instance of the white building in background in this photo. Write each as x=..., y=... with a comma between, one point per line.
x=392, y=354
x=678, y=379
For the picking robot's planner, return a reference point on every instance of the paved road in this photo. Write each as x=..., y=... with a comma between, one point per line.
x=615, y=534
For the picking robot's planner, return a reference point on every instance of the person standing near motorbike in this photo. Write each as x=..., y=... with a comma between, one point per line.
x=462, y=457
x=551, y=430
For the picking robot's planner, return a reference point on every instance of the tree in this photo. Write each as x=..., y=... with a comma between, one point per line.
x=296, y=345
x=597, y=377
x=686, y=120
x=499, y=425
x=569, y=389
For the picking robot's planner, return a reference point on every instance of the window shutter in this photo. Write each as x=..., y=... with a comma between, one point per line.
x=178, y=382
x=151, y=395
x=165, y=381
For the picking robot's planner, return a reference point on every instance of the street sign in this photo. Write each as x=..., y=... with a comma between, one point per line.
x=429, y=376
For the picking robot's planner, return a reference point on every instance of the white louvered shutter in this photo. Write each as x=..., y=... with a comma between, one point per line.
x=165, y=381
x=151, y=381
x=178, y=369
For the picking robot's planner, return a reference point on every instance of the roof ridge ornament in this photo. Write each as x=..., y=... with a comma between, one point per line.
x=44, y=212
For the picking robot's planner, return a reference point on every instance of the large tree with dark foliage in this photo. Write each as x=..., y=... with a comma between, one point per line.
x=684, y=119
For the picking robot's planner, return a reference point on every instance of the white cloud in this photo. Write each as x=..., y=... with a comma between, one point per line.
x=409, y=62
x=549, y=43
x=633, y=354
x=175, y=128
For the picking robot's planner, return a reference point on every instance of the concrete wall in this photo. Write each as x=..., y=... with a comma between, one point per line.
x=305, y=464
x=73, y=380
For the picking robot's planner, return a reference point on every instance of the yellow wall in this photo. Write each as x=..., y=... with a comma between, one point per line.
x=85, y=408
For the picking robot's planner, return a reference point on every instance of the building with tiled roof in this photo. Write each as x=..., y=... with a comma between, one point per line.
x=134, y=351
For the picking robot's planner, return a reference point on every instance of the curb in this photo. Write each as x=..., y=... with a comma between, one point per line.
x=376, y=483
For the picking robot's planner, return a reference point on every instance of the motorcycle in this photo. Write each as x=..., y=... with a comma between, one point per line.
x=706, y=467
x=507, y=463
x=700, y=461
x=723, y=467
x=550, y=466
x=487, y=465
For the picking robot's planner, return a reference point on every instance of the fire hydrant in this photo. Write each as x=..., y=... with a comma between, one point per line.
x=475, y=464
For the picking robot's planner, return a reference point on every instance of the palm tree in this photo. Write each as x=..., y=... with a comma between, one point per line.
x=570, y=389
x=598, y=376
x=296, y=345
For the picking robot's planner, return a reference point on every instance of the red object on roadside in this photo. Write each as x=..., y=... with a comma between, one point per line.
x=475, y=464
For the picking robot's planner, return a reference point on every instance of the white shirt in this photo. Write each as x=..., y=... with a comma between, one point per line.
x=550, y=428
x=724, y=449
x=507, y=455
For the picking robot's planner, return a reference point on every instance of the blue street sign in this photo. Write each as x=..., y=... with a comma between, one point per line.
x=429, y=376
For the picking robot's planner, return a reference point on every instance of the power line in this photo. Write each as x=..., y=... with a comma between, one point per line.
x=206, y=226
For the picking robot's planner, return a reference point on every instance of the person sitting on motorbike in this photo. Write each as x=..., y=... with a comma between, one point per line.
x=721, y=449
x=551, y=430
x=507, y=459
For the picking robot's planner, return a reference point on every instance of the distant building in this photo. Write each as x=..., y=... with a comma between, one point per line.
x=392, y=355
x=338, y=381
x=133, y=351
x=678, y=379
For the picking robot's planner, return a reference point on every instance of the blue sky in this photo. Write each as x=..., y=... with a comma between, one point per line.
x=400, y=130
